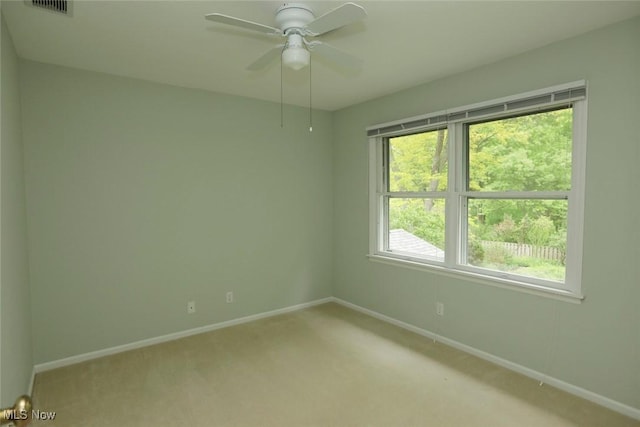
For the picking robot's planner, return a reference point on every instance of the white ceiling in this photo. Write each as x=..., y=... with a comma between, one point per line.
x=401, y=43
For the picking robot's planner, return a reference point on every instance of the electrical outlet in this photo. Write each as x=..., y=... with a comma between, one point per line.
x=191, y=307
x=439, y=308
x=229, y=297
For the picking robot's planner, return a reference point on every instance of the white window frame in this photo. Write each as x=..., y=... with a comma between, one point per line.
x=456, y=196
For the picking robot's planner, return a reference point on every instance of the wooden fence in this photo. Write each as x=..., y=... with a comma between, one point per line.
x=522, y=249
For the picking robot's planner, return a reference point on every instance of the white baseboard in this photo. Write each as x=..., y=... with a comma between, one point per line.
x=544, y=378
x=32, y=381
x=562, y=385
x=42, y=367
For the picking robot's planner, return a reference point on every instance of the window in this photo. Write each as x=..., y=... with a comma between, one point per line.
x=416, y=180
x=492, y=191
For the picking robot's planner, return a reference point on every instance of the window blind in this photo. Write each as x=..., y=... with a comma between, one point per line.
x=555, y=96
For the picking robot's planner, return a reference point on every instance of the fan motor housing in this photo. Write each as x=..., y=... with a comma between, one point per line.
x=293, y=15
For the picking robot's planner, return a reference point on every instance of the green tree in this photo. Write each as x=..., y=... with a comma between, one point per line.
x=410, y=215
x=525, y=153
x=418, y=162
x=541, y=231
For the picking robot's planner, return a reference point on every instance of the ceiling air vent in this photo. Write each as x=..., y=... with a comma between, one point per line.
x=58, y=6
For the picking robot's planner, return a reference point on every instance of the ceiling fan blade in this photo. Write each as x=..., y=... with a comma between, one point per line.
x=265, y=59
x=336, y=18
x=335, y=55
x=242, y=23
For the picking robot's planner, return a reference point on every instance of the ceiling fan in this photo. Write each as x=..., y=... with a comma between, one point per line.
x=298, y=26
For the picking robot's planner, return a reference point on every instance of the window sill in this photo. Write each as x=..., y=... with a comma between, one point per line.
x=513, y=285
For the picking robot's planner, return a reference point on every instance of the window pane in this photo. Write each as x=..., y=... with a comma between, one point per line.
x=526, y=153
x=416, y=227
x=523, y=237
x=418, y=162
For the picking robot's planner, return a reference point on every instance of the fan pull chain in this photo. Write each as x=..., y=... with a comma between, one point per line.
x=281, y=90
x=310, y=106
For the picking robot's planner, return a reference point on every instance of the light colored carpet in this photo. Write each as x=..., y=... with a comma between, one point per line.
x=323, y=366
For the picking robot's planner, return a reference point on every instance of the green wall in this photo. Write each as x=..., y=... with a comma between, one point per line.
x=141, y=197
x=15, y=306
x=593, y=345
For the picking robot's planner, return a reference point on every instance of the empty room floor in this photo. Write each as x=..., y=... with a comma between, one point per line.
x=323, y=366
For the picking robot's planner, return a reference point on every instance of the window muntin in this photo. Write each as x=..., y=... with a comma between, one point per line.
x=472, y=195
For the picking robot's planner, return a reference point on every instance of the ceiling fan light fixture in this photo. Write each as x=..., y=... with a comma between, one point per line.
x=295, y=54
x=296, y=57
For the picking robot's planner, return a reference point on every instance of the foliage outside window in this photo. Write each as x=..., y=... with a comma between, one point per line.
x=417, y=164
x=497, y=196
